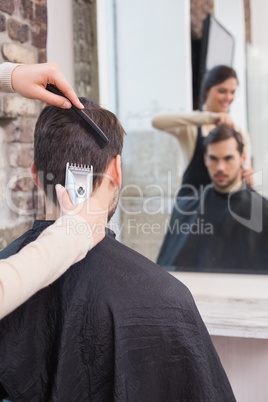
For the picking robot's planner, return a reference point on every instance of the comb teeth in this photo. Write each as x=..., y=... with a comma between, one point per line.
x=77, y=166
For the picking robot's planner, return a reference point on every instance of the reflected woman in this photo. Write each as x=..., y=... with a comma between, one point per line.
x=218, y=93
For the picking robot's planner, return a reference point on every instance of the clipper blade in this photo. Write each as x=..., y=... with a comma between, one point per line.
x=79, y=181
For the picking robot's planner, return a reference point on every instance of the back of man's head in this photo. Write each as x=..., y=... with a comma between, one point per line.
x=62, y=136
x=222, y=133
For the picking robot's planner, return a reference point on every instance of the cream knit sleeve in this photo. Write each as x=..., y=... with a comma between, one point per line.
x=195, y=118
x=175, y=123
x=5, y=76
x=43, y=261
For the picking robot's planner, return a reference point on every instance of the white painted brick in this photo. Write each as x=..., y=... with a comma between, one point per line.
x=16, y=53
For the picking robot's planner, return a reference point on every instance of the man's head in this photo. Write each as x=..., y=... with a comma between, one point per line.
x=62, y=136
x=224, y=158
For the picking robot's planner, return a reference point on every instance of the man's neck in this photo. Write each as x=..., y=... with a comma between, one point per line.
x=231, y=189
x=53, y=211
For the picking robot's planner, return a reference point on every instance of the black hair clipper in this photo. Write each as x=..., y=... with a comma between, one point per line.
x=79, y=182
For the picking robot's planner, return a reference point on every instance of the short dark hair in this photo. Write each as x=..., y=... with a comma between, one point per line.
x=62, y=136
x=215, y=76
x=222, y=133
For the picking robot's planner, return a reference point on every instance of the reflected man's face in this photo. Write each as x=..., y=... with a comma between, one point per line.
x=224, y=164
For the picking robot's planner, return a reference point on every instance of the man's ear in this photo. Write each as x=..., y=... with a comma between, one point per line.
x=35, y=176
x=243, y=158
x=114, y=171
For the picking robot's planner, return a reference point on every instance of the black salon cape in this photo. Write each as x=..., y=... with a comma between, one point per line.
x=114, y=327
x=214, y=232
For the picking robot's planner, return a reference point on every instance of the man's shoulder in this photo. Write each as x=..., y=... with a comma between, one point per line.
x=112, y=259
x=24, y=239
x=251, y=194
x=15, y=246
x=112, y=249
x=244, y=194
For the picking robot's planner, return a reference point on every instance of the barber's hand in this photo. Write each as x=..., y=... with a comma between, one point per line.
x=30, y=81
x=247, y=175
x=90, y=210
x=224, y=118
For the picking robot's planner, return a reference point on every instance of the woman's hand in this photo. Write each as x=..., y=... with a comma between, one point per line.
x=224, y=118
x=90, y=210
x=30, y=81
x=247, y=175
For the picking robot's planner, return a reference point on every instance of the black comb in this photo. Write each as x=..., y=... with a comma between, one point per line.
x=83, y=115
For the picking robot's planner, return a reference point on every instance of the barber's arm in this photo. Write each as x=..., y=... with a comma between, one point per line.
x=196, y=118
x=61, y=245
x=30, y=81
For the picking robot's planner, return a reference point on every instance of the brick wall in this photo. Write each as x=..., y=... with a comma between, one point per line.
x=85, y=49
x=201, y=8
x=199, y=11
x=23, y=32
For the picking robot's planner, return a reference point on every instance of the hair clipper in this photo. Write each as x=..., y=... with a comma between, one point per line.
x=79, y=182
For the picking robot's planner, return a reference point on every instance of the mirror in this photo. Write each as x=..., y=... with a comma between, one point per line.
x=154, y=75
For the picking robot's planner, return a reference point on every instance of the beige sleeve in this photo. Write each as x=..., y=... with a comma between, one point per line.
x=5, y=76
x=178, y=125
x=175, y=123
x=43, y=261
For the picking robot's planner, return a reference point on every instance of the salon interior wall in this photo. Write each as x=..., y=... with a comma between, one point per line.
x=106, y=25
x=251, y=63
x=257, y=62
x=153, y=60
x=231, y=14
x=60, y=36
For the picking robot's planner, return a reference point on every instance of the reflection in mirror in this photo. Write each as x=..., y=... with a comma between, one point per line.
x=154, y=161
x=221, y=227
